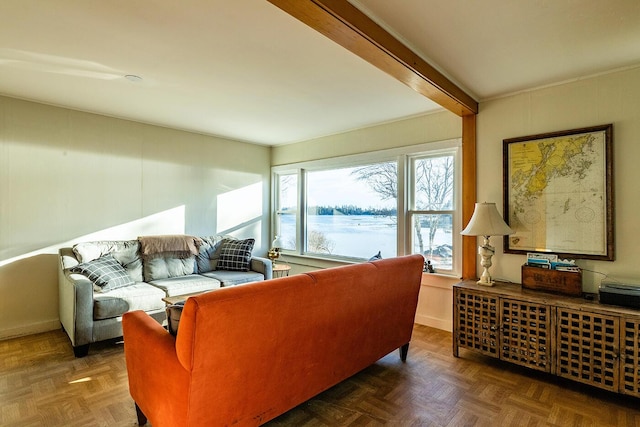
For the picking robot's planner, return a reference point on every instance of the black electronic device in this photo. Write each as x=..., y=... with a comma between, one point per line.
x=620, y=294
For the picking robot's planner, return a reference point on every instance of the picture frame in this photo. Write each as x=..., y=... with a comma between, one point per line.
x=558, y=193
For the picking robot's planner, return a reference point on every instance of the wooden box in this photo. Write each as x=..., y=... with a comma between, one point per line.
x=542, y=279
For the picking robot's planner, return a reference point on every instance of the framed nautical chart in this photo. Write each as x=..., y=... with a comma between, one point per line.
x=558, y=193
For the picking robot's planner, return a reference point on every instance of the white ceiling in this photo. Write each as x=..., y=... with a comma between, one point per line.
x=492, y=48
x=245, y=70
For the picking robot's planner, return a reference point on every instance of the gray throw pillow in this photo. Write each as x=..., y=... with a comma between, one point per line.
x=235, y=255
x=105, y=273
x=207, y=258
x=129, y=258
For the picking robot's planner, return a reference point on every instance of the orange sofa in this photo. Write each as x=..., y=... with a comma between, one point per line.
x=246, y=354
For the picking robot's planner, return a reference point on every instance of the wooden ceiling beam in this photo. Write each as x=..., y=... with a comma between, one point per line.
x=343, y=23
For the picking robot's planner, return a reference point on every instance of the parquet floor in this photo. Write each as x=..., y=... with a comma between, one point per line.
x=42, y=384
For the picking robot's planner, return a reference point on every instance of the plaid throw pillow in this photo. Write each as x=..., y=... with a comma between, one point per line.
x=105, y=272
x=235, y=255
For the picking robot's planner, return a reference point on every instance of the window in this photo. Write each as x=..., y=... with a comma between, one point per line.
x=394, y=202
x=431, y=212
x=352, y=212
x=287, y=209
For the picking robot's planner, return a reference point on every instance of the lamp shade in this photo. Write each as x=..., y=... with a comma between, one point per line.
x=277, y=242
x=486, y=221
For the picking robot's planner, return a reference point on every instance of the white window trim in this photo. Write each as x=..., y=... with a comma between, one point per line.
x=455, y=212
x=403, y=158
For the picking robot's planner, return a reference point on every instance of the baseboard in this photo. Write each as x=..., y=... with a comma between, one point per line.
x=34, y=328
x=433, y=322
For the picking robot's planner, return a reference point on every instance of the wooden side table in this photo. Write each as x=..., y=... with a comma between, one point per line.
x=179, y=298
x=281, y=270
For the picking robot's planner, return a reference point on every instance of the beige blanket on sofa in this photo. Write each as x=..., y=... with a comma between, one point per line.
x=176, y=245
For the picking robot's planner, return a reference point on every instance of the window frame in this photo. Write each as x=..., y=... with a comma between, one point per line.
x=276, y=205
x=455, y=211
x=404, y=158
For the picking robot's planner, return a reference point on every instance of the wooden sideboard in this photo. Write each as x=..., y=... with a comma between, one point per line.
x=571, y=337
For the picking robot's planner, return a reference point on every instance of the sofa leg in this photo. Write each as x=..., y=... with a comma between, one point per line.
x=142, y=418
x=404, y=350
x=81, y=350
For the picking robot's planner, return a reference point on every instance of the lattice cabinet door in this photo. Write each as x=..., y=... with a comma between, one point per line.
x=526, y=334
x=477, y=321
x=630, y=357
x=587, y=348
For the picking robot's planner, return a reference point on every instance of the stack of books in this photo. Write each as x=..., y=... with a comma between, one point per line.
x=551, y=262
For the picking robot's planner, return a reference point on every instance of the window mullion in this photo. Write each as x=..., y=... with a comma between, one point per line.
x=302, y=212
x=404, y=223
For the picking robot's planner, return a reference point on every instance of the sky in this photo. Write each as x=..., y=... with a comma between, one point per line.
x=337, y=187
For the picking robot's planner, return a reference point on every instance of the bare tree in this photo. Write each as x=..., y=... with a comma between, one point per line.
x=433, y=191
x=318, y=242
x=382, y=177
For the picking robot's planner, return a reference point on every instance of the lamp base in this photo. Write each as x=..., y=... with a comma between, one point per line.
x=486, y=251
x=273, y=255
x=483, y=283
x=485, y=278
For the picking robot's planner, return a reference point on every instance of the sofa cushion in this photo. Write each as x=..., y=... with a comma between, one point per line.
x=140, y=296
x=126, y=252
x=129, y=257
x=232, y=278
x=105, y=272
x=186, y=284
x=235, y=255
x=207, y=258
x=166, y=267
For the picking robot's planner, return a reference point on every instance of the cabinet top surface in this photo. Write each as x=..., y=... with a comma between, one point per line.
x=516, y=291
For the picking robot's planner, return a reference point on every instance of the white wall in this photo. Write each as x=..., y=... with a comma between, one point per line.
x=68, y=176
x=417, y=130
x=612, y=98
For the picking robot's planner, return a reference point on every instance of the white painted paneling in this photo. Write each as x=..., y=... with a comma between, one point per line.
x=612, y=98
x=67, y=176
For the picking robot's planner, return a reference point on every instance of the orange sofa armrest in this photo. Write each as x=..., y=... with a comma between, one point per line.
x=152, y=365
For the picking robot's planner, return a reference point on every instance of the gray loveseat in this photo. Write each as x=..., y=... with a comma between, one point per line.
x=100, y=281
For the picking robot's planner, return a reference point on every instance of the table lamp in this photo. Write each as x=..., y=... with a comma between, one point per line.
x=486, y=222
x=274, y=252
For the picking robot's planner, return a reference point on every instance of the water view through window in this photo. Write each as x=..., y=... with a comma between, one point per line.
x=359, y=236
x=352, y=211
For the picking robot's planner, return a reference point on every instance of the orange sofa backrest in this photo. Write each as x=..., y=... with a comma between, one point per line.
x=257, y=350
